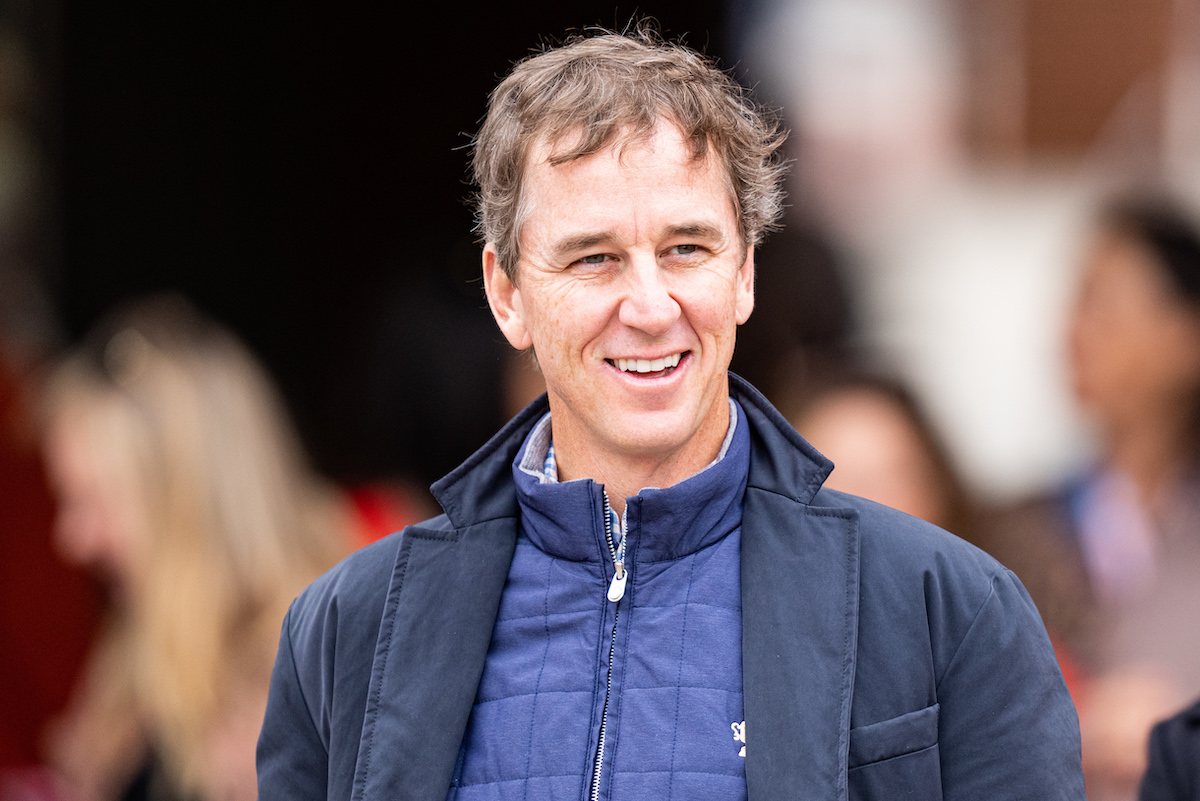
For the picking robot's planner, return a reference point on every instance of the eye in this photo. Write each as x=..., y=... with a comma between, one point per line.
x=685, y=250
x=595, y=258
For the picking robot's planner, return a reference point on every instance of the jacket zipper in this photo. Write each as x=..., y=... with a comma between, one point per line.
x=616, y=590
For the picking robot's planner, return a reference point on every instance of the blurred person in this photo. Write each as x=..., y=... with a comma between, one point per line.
x=638, y=587
x=1173, y=773
x=182, y=484
x=1113, y=560
x=1135, y=360
x=38, y=591
x=873, y=89
x=883, y=447
x=1135, y=356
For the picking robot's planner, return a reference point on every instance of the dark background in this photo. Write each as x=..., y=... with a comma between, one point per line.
x=300, y=172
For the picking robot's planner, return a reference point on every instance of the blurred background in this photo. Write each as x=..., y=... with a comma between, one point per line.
x=299, y=175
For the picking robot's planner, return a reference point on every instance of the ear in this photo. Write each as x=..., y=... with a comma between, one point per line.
x=504, y=299
x=744, y=289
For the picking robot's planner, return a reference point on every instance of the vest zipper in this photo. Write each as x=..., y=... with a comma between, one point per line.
x=595, y=794
x=616, y=591
x=617, y=588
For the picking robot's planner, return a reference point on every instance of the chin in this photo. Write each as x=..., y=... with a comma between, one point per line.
x=649, y=437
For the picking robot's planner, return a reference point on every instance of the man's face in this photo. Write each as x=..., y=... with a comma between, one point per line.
x=631, y=283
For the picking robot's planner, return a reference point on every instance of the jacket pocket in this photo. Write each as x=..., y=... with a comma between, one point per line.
x=896, y=758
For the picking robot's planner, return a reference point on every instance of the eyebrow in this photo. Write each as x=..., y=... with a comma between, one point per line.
x=700, y=230
x=573, y=244
x=588, y=241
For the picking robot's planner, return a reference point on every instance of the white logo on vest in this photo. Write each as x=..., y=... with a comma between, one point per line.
x=739, y=735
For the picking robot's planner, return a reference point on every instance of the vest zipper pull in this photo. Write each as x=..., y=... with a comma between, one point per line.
x=616, y=590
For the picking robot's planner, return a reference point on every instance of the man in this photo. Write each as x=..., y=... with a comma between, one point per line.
x=567, y=630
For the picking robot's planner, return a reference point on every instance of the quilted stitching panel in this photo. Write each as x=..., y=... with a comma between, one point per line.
x=679, y=676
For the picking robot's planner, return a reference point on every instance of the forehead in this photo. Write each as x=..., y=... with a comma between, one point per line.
x=653, y=179
x=1119, y=259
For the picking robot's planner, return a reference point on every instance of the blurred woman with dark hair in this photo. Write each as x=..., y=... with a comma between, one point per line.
x=1135, y=354
x=181, y=482
x=1135, y=358
x=883, y=446
x=1113, y=561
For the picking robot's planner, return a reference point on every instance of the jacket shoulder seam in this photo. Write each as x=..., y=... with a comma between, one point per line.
x=974, y=620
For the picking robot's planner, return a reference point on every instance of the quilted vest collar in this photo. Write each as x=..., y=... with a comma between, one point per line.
x=562, y=520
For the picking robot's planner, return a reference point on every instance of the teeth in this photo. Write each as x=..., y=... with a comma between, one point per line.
x=648, y=365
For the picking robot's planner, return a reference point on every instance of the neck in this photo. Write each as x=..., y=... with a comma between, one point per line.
x=1151, y=450
x=624, y=474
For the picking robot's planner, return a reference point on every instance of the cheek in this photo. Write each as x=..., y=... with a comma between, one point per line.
x=568, y=322
x=708, y=292
x=1113, y=340
x=76, y=531
x=92, y=531
x=1176, y=360
x=716, y=312
x=105, y=531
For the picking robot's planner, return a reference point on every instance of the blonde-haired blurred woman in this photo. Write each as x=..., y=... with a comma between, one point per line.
x=182, y=483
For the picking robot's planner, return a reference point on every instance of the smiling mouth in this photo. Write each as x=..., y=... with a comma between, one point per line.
x=650, y=368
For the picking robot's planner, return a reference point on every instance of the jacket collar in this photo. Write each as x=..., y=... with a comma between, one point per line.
x=799, y=568
x=481, y=487
x=782, y=462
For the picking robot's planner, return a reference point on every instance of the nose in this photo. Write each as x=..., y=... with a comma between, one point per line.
x=648, y=304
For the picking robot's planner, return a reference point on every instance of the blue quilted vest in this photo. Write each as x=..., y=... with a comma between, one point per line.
x=647, y=689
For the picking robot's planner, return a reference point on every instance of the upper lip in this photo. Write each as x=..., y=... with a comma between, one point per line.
x=650, y=358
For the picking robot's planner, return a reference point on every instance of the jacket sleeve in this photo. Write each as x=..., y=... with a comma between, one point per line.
x=1008, y=726
x=292, y=757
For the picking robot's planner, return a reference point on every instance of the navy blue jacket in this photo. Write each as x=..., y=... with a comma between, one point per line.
x=882, y=658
